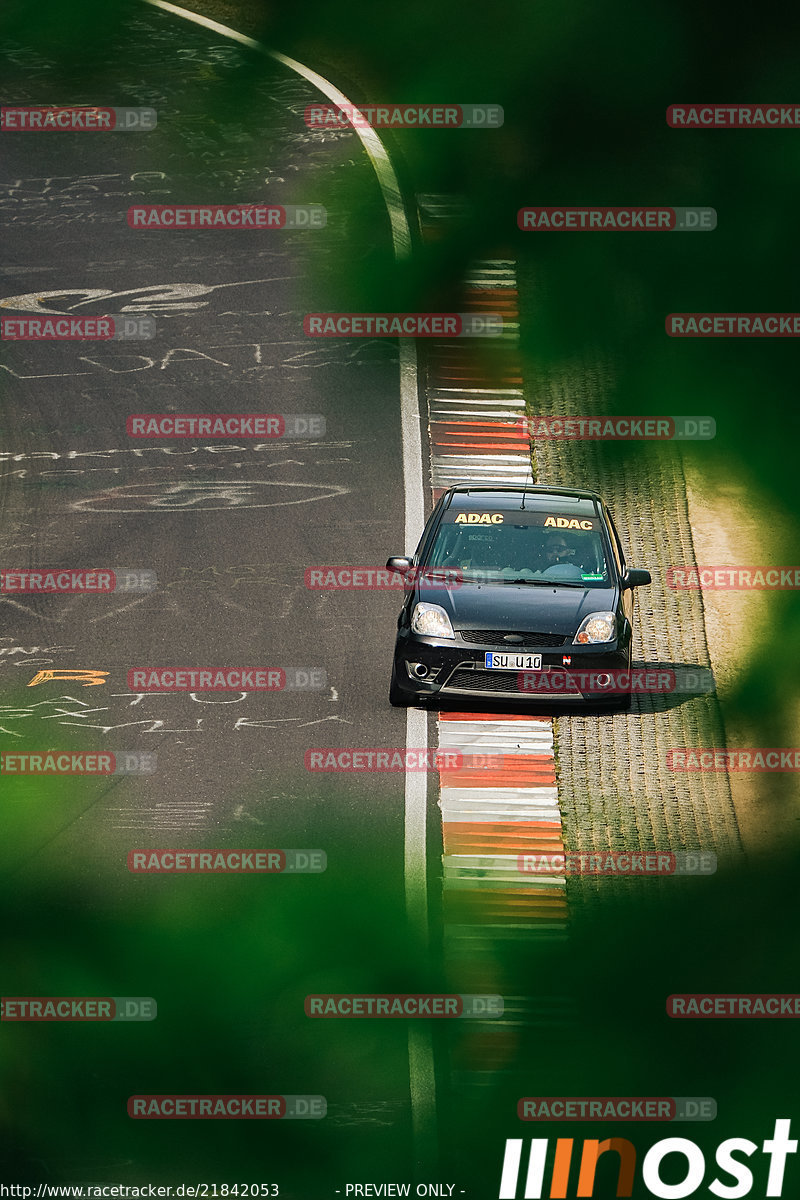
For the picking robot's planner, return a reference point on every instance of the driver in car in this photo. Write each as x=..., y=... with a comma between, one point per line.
x=556, y=550
x=515, y=557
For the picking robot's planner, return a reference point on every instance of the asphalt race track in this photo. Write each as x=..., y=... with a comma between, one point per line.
x=228, y=527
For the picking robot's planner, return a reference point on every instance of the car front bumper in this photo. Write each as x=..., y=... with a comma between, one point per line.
x=455, y=668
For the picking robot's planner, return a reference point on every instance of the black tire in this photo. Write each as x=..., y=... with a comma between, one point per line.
x=397, y=697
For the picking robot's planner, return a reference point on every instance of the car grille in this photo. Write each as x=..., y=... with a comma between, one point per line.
x=494, y=637
x=463, y=679
x=484, y=681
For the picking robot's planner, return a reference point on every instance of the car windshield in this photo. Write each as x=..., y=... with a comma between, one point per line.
x=516, y=547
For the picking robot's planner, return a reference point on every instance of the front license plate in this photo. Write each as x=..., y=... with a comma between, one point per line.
x=513, y=662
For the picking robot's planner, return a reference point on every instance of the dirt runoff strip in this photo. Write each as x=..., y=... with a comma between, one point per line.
x=615, y=787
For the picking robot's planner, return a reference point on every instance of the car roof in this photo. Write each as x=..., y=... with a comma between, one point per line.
x=534, y=495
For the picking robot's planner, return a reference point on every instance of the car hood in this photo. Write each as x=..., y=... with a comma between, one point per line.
x=519, y=608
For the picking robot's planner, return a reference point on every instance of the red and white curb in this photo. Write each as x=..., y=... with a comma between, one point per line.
x=494, y=813
x=477, y=429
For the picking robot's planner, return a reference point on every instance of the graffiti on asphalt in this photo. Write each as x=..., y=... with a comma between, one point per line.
x=208, y=495
x=72, y=711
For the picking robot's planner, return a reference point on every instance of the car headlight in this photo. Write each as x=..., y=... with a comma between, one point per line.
x=430, y=620
x=597, y=627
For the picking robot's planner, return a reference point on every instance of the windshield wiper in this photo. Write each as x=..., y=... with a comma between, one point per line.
x=546, y=582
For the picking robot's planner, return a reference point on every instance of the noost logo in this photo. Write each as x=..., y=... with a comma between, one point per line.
x=688, y=1166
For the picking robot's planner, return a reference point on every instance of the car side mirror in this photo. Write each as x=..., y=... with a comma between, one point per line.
x=402, y=565
x=634, y=579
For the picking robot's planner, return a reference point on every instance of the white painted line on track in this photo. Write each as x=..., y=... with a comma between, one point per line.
x=415, y=834
x=376, y=152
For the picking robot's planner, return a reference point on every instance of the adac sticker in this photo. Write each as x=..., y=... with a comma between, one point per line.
x=567, y=523
x=479, y=519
